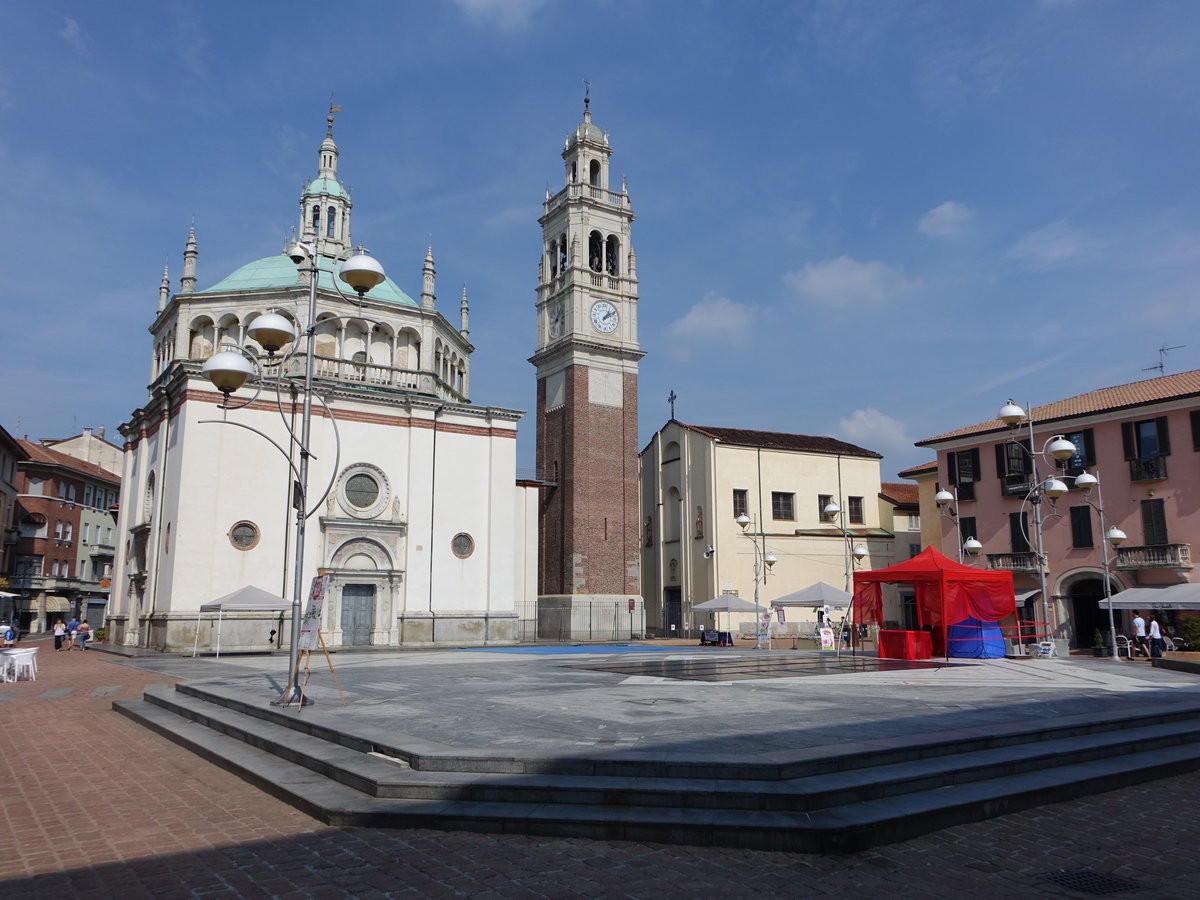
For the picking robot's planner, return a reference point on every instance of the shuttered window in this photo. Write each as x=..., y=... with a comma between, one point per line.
x=1154, y=522
x=1081, y=527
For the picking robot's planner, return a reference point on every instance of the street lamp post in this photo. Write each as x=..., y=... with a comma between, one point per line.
x=1113, y=537
x=228, y=370
x=764, y=560
x=1061, y=449
x=943, y=499
x=858, y=552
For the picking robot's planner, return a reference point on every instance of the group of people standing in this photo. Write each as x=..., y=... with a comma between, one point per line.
x=1147, y=639
x=72, y=634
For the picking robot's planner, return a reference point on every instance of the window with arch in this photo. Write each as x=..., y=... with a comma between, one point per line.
x=595, y=251
x=612, y=254
x=71, y=493
x=594, y=172
x=330, y=221
x=58, y=529
x=316, y=218
x=574, y=173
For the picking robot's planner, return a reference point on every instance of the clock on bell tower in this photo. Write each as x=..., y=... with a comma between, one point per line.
x=587, y=367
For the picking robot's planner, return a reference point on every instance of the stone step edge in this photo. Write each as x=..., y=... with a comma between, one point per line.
x=380, y=778
x=849, y=829
x=780, y=765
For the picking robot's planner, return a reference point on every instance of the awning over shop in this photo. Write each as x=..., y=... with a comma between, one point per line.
x=54, y=603
x=1025, y=596
x=1175, y=596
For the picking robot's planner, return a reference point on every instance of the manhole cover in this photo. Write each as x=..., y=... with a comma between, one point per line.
x=1089, y=881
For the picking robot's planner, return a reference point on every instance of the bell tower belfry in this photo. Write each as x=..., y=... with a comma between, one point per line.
x=587, y=368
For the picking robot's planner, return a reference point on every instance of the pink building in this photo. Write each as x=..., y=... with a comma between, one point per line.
x=1141, y=440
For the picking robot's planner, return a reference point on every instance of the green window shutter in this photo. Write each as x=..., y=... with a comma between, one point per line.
x=1081, y=527
x=1154, y=523
x=1164, y=436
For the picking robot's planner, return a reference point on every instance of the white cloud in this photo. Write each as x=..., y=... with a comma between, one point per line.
x=507, y=15
x=73, y=35
x=948, y=220
x=715, y=320
x=1054, y=244
x=844, y=281
x=876, y=431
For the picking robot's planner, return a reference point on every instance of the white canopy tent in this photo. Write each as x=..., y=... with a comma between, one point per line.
x=726, y=603
x=817, y=595
x=247, y=599
x=1175, y=596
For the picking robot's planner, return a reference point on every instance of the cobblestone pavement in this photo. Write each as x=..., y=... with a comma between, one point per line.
x=94, y=806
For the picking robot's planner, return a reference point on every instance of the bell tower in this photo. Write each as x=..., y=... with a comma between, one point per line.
x=587, y=367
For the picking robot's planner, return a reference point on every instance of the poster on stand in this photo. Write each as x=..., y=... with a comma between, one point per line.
x=310, y=622
x=826, y=638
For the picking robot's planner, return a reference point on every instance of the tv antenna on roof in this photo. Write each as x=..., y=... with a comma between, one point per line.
x=1162, y=358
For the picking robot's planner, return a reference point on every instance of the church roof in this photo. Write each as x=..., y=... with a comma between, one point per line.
x=279, y=272
x=777, y=440
x=330, y=186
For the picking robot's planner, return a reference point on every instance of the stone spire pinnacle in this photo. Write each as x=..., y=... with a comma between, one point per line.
x=464, y=312
x=187, y=284
x=428, y=274
x=164, y=289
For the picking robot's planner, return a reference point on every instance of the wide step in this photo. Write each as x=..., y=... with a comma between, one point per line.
x=837, y=811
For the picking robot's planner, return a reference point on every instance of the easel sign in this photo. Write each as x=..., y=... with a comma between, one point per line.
x=310, y=636
x=310, y=622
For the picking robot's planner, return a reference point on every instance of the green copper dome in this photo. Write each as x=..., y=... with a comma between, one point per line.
x=329, y=186
x=279, y=272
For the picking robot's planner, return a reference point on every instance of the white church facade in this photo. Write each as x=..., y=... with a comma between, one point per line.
x=417, y=517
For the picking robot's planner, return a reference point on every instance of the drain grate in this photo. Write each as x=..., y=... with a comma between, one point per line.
x=1089, y=881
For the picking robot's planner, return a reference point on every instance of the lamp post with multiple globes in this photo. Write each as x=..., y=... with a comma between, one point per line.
x=229, y=369
x=764, y=560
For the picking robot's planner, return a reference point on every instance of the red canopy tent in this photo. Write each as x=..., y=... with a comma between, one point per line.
x=947, y=593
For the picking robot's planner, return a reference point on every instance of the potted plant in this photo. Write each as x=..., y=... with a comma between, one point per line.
x=1098, y=647
x=97, y=636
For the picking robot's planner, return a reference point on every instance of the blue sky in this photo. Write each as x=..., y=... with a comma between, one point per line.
x=871, y=220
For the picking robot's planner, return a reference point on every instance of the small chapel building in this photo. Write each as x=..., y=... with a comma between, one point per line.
x=417, y=516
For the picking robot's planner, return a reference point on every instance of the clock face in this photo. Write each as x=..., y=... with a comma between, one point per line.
x=557, y=317
x=605, y=317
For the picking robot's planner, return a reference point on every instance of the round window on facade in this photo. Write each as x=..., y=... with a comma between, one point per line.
x=362, y=490
x=244, y=535
x=463, y=545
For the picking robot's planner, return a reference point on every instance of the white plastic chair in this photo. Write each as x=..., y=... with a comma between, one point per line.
x=7, y=669
x=24, y=663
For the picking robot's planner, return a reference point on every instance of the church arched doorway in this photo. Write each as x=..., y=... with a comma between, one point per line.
x=1084, y=597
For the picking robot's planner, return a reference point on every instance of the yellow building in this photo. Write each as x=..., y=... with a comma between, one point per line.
x=696, y=481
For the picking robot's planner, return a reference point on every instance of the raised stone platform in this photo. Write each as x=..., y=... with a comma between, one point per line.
x=774, y=750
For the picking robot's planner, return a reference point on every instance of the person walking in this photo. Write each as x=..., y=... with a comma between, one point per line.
x=84, y=631
x=1154, y=632
x=60, y=632
x=1139, y=635
x=72, y=631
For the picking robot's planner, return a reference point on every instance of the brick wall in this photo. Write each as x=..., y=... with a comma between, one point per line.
x=589, y=532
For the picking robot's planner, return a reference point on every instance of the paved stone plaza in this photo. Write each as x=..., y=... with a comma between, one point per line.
x=96, y=806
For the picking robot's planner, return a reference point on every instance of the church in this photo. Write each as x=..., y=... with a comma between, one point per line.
x=411, y=505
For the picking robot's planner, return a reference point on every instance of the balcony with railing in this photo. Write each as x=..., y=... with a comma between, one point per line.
x=586, y=192
x=1155, y=556
x=1152, y=469
x=360, y=372
x=1013, y=562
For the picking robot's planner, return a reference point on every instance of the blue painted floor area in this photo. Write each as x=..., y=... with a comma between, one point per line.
x=559, y=650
